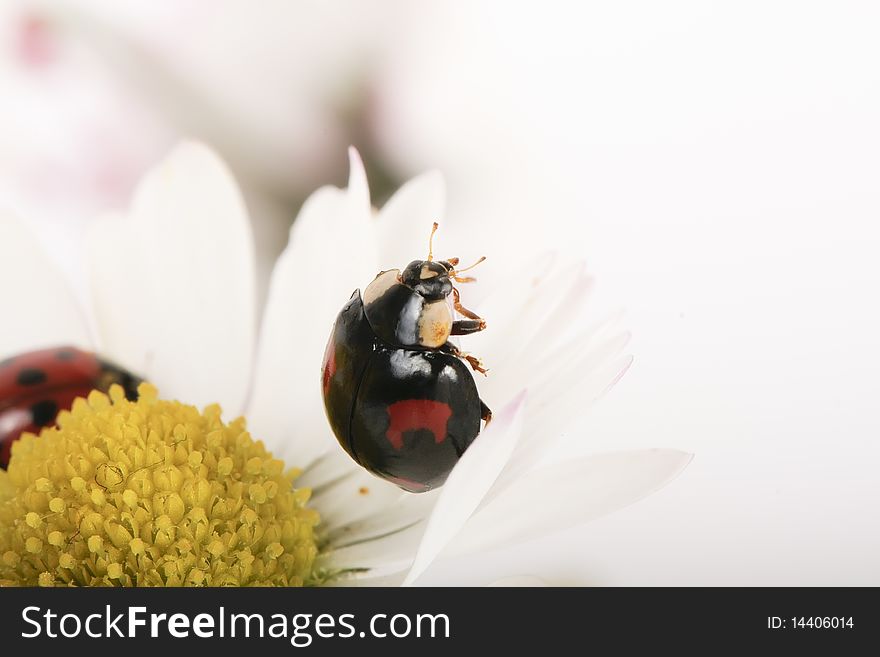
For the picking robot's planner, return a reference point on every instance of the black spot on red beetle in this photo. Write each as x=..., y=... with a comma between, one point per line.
x=44, y=412
x=115, y=374
x=65, y=355
x=31, y=376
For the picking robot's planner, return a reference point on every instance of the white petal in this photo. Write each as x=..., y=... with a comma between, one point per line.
x=521, y=581
x=562, y=495
x=173, y=282
x=514, y=312
x=378, y=555
x=525, y=329
x=565, y=404
x=563, y=317
x=357, y=507
x=404, y=224
x=39, y=309
x=370, y=579
x=575, y=362
x=366, y=522
x=559, y=296
x=402, y=513
x=351, y=494
x=563, y=385
x=331, y=252
x=358, y=188
x=468, y=482
x=324, y=472
x=579, y=372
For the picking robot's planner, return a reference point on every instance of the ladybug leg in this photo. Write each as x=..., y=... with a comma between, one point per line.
x=470, y=314
x=472, y=324
x=474, y=362
x=467, y=326
x=485, y=413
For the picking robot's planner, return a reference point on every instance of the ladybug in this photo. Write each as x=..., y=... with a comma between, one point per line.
x=35, y=386
x=398, y=395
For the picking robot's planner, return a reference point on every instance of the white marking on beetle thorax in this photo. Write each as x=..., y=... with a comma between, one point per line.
x=383, y=282
x=435, y=324
x=426, y=272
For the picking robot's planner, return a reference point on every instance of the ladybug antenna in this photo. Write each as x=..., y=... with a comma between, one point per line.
x=431, y=241
x=482, y=258
x=466, y=279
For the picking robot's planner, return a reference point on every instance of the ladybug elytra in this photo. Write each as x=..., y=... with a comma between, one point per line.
x=398, y=395
x=36, y=385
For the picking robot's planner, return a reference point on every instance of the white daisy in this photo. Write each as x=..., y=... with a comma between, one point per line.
x=173, y=299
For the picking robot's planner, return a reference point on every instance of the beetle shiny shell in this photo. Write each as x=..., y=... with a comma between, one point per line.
x=35, y=386
x=399, y=396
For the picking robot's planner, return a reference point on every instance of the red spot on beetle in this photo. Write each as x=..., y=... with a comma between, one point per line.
x=412, y=414
x=329, y=364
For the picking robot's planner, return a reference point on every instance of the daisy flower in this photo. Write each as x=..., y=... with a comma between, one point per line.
x=172, y=298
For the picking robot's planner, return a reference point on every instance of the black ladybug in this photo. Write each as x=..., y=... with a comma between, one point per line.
x=398, y=395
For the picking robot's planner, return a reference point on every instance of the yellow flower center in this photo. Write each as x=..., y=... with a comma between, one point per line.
x=151, y=493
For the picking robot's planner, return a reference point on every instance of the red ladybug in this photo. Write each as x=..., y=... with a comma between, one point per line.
x=35, y=386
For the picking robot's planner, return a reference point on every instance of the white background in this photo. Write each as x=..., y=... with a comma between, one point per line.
x=725, y=171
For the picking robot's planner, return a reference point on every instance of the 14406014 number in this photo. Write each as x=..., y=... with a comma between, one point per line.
x=822, y=622
x=810, y=622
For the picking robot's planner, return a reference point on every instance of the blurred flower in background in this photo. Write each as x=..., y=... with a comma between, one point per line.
x=72, y=140
x=96, y=91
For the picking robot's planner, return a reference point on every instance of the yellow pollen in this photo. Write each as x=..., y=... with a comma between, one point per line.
x=151, y=493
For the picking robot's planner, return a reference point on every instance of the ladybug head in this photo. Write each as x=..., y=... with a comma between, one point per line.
x=430, y=279
x=433, y=279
